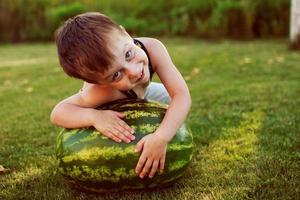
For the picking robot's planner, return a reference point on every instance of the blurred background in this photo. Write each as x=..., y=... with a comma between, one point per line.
x=36, y=20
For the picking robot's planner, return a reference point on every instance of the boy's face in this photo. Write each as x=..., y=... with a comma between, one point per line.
x=130, y=68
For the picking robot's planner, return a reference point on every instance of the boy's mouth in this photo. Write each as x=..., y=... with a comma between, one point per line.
x=141, y=75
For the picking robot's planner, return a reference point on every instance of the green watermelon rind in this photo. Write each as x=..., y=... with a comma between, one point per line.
x=86, y=166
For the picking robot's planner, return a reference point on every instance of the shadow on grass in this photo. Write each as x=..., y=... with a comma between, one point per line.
x=226, y=167
x=257, y=159
x=278, y=161
x=37, y=181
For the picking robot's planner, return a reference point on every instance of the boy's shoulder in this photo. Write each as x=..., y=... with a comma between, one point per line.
x=150, y=43
x=154, y=47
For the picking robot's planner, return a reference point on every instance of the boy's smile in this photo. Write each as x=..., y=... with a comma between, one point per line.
x=130, y=67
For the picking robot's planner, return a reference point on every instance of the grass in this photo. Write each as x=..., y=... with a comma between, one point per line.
x=245, y=120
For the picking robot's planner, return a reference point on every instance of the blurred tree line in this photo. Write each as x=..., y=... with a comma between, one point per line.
x=36, y=20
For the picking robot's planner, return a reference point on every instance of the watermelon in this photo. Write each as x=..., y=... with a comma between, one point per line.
x=92, y=162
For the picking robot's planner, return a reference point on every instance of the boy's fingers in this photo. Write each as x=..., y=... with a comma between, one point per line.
x=129, y=129
x=139, y=146
x=120, y=114
x=126, y=130
x=154, y=168
x=129, y=136
x=146, y=168
x=121, y=136
x=120, y=131
x=140, y=164
x=162, y=164
x=116, y=139
x=122, y=123
x=113, y=137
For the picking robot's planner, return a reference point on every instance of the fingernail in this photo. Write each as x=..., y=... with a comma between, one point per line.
x=135, y=150
x=132, y=131
x=150, y=176
x=132, y=137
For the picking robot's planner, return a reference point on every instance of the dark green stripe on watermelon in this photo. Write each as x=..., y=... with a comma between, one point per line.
x=92, y=162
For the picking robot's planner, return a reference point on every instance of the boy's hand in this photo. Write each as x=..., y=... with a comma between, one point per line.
x=153, y=155
x=110, y=124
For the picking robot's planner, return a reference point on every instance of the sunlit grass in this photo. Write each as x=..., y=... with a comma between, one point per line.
x=231, y=159
x=245, y=119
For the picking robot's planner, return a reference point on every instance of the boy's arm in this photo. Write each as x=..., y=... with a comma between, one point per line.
x=154, y=145
x=177, y=88
x=78, y=111
x=75, y=111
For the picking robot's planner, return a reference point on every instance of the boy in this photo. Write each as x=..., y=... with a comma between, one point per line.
x=113, y=66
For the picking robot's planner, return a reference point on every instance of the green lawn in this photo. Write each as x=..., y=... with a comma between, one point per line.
x=245, y=120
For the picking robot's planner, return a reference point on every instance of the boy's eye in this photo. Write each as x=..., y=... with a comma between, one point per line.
x=116, y=76
x=128, y=54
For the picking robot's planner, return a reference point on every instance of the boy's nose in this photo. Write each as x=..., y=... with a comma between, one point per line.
x=133, y=72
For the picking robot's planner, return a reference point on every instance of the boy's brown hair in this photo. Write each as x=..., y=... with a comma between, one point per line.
x=82, y=45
